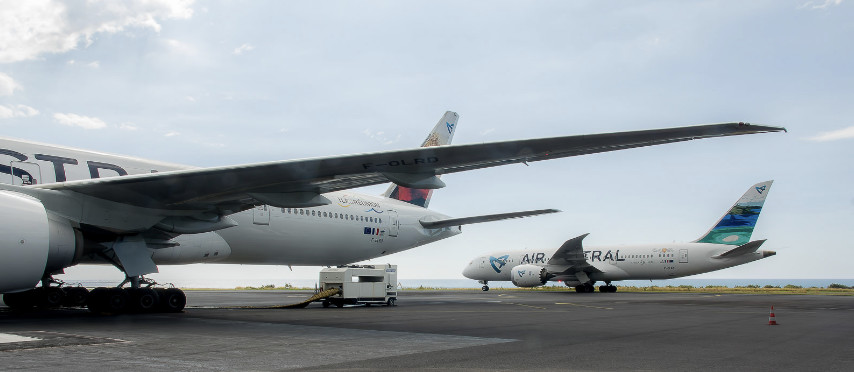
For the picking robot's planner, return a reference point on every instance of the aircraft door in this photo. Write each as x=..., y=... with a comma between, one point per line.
x=394, y=223
x=683, y=256
x=261, y=215
x=24, y=173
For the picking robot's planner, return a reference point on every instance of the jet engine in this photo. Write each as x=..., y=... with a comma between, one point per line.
x=33, y=243
x=529, y=276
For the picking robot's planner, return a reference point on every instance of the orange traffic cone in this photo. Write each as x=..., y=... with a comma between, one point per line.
x=771, y=320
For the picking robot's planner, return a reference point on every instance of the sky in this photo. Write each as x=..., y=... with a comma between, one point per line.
x=213, y=83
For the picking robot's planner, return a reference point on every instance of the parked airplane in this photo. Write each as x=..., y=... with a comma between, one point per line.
x=67, y=206
x=726, y=244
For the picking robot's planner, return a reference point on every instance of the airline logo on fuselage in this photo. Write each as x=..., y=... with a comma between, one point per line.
x=346, y=201
x=501, y=261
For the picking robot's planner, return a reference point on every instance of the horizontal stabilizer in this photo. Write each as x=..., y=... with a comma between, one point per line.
x=485, y=218
x=742, y=249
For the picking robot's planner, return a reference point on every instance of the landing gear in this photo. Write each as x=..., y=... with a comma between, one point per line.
x=485, y=285
x=52, y=294
x=585, y=288
x=608, y=288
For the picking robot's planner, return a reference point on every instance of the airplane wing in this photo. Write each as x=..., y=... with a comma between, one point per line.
x=570, y=258
x=300, y=183
x=485, y=218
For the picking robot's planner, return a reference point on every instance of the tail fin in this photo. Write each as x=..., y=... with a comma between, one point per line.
x=441, y=135
x=736, y=226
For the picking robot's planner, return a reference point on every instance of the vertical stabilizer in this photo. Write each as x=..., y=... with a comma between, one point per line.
x=441, y=135
x=736, y=226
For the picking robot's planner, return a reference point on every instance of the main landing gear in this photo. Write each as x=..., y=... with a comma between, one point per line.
x=141, y=297
x=589, y=288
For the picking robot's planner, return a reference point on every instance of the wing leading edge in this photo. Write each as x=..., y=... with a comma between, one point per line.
x=298, y=182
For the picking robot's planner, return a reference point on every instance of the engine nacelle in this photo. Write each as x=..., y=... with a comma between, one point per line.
x=529, y=276
x=32, y=242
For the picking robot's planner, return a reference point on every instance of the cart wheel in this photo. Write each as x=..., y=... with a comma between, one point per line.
x=325, y=303
x=390, y=302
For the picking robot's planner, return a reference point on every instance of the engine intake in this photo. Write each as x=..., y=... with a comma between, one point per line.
x=529, y=276
x=32, y=242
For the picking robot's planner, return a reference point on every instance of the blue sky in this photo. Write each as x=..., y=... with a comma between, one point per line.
x=221, y=82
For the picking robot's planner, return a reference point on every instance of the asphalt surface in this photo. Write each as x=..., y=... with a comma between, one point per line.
x=445, y=330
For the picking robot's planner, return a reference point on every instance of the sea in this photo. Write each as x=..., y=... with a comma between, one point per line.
x=471, y=284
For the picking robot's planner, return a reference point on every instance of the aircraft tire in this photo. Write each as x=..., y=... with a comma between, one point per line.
x=107, y=300
x=19, y=300
x=75, y=297
x=143, y=300
x=172, y=300
x=485, y=288
x=48, y=297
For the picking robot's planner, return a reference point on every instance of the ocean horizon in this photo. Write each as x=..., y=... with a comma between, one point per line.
x=467, y=283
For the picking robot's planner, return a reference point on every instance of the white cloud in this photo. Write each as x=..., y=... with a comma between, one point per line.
x=74, y=120
x=381, y=137
x=171, y=134
x=835, y=135
x=94, y=64
x=820, y=5
x=31, y=28
x=7, y=85
x=17, y=111
x=180, y=47
x=243, y=49
x=128, y=126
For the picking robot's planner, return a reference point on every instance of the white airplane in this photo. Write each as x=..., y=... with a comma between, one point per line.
x=726, y=244
x=67, y=206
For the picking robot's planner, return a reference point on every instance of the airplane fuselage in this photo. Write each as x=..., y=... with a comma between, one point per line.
x=352, y=228
x=639, y=262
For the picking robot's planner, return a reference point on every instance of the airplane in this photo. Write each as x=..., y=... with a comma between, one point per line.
x=66, y=206
x=726, y=244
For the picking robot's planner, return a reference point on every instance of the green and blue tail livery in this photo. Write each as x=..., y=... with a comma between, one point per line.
x=736, y=226
x=441, y=135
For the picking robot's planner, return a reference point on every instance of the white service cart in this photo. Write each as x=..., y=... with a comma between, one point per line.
x=360, y=284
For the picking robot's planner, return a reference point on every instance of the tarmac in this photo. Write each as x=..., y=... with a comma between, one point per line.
x=455, y=330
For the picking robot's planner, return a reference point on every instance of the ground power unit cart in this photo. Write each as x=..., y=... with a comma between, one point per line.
x=360, y=285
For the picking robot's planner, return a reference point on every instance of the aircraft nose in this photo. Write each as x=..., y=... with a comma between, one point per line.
x=469, y=270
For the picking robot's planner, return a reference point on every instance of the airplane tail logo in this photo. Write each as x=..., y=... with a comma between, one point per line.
x=441, y=135
x=736, y=226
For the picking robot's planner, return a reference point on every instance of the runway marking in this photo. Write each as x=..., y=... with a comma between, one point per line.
x=523, y=305
x=6, y=338
x=580, y=305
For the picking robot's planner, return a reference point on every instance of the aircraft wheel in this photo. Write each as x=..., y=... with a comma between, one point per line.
x=48, y=297
x=107, y=300
x=604, y=289
x=19, y=300
x=613, y=289
x=143, y=300
x=172, y=300
x=485, y=288
x=75, y=297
